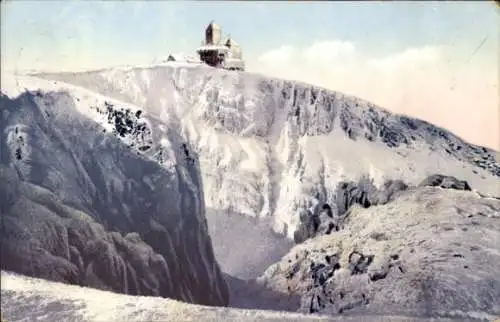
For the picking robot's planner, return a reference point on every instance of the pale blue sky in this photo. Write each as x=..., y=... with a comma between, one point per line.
x=434, y=60
x=117, y=31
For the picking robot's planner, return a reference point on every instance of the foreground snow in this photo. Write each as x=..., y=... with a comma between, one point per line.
x=430, y=252
x=29, y=299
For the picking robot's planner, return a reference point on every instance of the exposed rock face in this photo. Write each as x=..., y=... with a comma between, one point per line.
x=365, y=194
x=94, y=207
x=430, y=252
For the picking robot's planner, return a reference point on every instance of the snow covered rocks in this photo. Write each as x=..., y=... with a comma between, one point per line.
x=429, y=252
x=365, y=194
x=84, y=202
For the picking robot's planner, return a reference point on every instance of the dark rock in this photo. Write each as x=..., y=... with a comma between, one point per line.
x=327, y=209
x=377, y=276
x=310, y=223
x=392, y=137
x=446, y=182
x=358, y=263
x=349, y=193
x=379, y=236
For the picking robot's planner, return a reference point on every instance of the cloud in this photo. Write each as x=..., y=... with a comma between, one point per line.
x=282, y=56
x=424, y=82
x=410, y=58
x=327, y=52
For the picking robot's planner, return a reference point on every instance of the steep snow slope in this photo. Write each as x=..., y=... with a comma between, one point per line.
x=98, y=193
x=30, y=299
x=430, y=252
x=274, y=148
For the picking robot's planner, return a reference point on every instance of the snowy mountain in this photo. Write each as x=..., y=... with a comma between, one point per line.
x=122, y=163
x=91, y=195
x=273, y=148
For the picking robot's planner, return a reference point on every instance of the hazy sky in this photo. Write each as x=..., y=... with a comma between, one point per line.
x=434, y=60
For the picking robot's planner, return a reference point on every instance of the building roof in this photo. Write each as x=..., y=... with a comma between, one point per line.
x=228, y=41
x=213, y=25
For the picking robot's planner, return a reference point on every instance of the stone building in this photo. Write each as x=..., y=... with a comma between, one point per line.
x=218, y=52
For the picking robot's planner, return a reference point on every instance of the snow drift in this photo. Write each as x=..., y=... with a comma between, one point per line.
x=94, y=193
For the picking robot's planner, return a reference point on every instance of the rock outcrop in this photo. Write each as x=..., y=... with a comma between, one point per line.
x=88, y=206
x=364, y=193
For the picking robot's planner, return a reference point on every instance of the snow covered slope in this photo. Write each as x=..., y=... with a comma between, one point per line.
x=97, y=192
x=30, y=299
x=430, y=252
x=274, y=148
